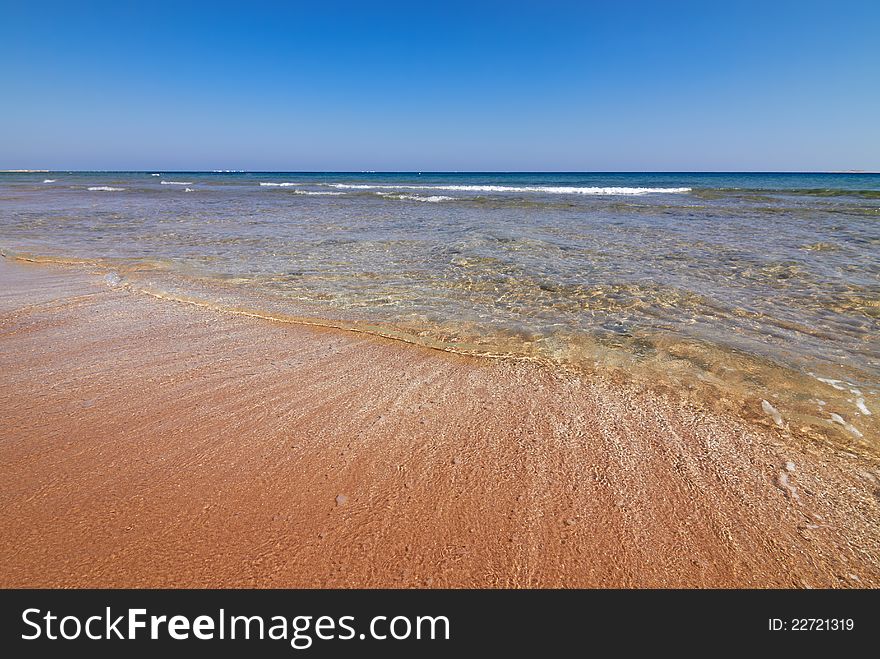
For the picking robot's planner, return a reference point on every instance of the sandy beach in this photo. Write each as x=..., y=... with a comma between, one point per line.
x=147, y=443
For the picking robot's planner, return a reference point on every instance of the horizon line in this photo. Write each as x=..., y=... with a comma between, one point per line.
x=437, y=171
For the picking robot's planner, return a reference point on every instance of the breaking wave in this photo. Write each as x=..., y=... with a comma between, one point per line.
x=413, y=197
x=544, y=189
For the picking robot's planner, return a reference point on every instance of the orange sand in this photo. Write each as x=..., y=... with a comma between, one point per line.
x=149, y=443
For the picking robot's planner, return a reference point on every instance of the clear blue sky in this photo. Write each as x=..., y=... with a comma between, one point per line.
x=440, y=86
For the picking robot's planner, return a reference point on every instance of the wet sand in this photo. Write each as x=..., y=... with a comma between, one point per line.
x=151, y=443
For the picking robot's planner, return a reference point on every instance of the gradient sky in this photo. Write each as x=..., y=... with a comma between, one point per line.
x=579, y=86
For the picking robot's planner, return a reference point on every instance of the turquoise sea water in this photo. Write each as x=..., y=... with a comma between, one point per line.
x=763, y=287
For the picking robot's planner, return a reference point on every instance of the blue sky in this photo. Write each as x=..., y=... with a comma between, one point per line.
x=532, y=86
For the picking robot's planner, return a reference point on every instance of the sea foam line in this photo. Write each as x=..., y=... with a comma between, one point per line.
x=413, y=197
x=176, y=182
x=105, y=188
x=323, y=193
x=546, y=189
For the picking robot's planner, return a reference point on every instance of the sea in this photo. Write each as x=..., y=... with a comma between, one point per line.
x=755, y=292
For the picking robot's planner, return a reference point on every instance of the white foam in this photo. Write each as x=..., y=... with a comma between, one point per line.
x=176, y=182
x=544, y=189
x=784, y=483
x=189, y=190
x=49, y=180
x=286, y=184
x=834, y=383
x=105, y=188
x=773, y=413
x=155, y=175
x=433, y=199
x=860, y=403
x=848, y=426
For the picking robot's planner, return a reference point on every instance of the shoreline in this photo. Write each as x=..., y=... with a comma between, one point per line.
x=724, y=378
x=152, y=444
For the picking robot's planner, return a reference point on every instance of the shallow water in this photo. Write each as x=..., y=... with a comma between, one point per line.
x=753, y=288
